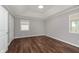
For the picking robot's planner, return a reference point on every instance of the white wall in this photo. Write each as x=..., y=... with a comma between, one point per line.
x=58, y=27
x=11, y=28
x=36, y=28
x=3, y=29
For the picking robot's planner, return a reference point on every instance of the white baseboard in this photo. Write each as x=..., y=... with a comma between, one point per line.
x=64, y=41
x=10, y=42
x=52, y=37
x=30, y=36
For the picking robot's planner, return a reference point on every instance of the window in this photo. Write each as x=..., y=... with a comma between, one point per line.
x=74, y=23
x=24, y=25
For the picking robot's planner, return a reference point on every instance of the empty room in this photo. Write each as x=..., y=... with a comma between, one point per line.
x=39, y=29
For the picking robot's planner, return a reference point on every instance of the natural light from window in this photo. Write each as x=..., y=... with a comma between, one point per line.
x=74, y=23
x=24, y=24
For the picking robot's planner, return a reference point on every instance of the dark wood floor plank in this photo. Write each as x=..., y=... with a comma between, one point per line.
x=40, y=44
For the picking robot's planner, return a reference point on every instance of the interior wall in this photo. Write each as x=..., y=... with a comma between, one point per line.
x=36, y=28
x=3, y=29
x=57, y=26
x=11, y=28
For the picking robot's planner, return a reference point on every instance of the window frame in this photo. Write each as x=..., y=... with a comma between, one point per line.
x=70, y=22
x=26, y=22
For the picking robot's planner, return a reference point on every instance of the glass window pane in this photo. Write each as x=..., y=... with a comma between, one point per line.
x=24, y=25
x=74, y=23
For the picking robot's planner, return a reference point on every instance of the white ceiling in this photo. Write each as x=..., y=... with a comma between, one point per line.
x=34, y=11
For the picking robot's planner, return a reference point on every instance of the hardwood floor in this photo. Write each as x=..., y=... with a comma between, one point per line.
x=40, y=44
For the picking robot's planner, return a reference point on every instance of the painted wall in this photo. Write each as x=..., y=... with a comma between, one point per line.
x=36, y=28
x=57, y=26
x=3, y=29
x=11, y=28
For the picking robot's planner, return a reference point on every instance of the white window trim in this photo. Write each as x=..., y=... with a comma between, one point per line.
x=70, y=24
x=26, y=23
